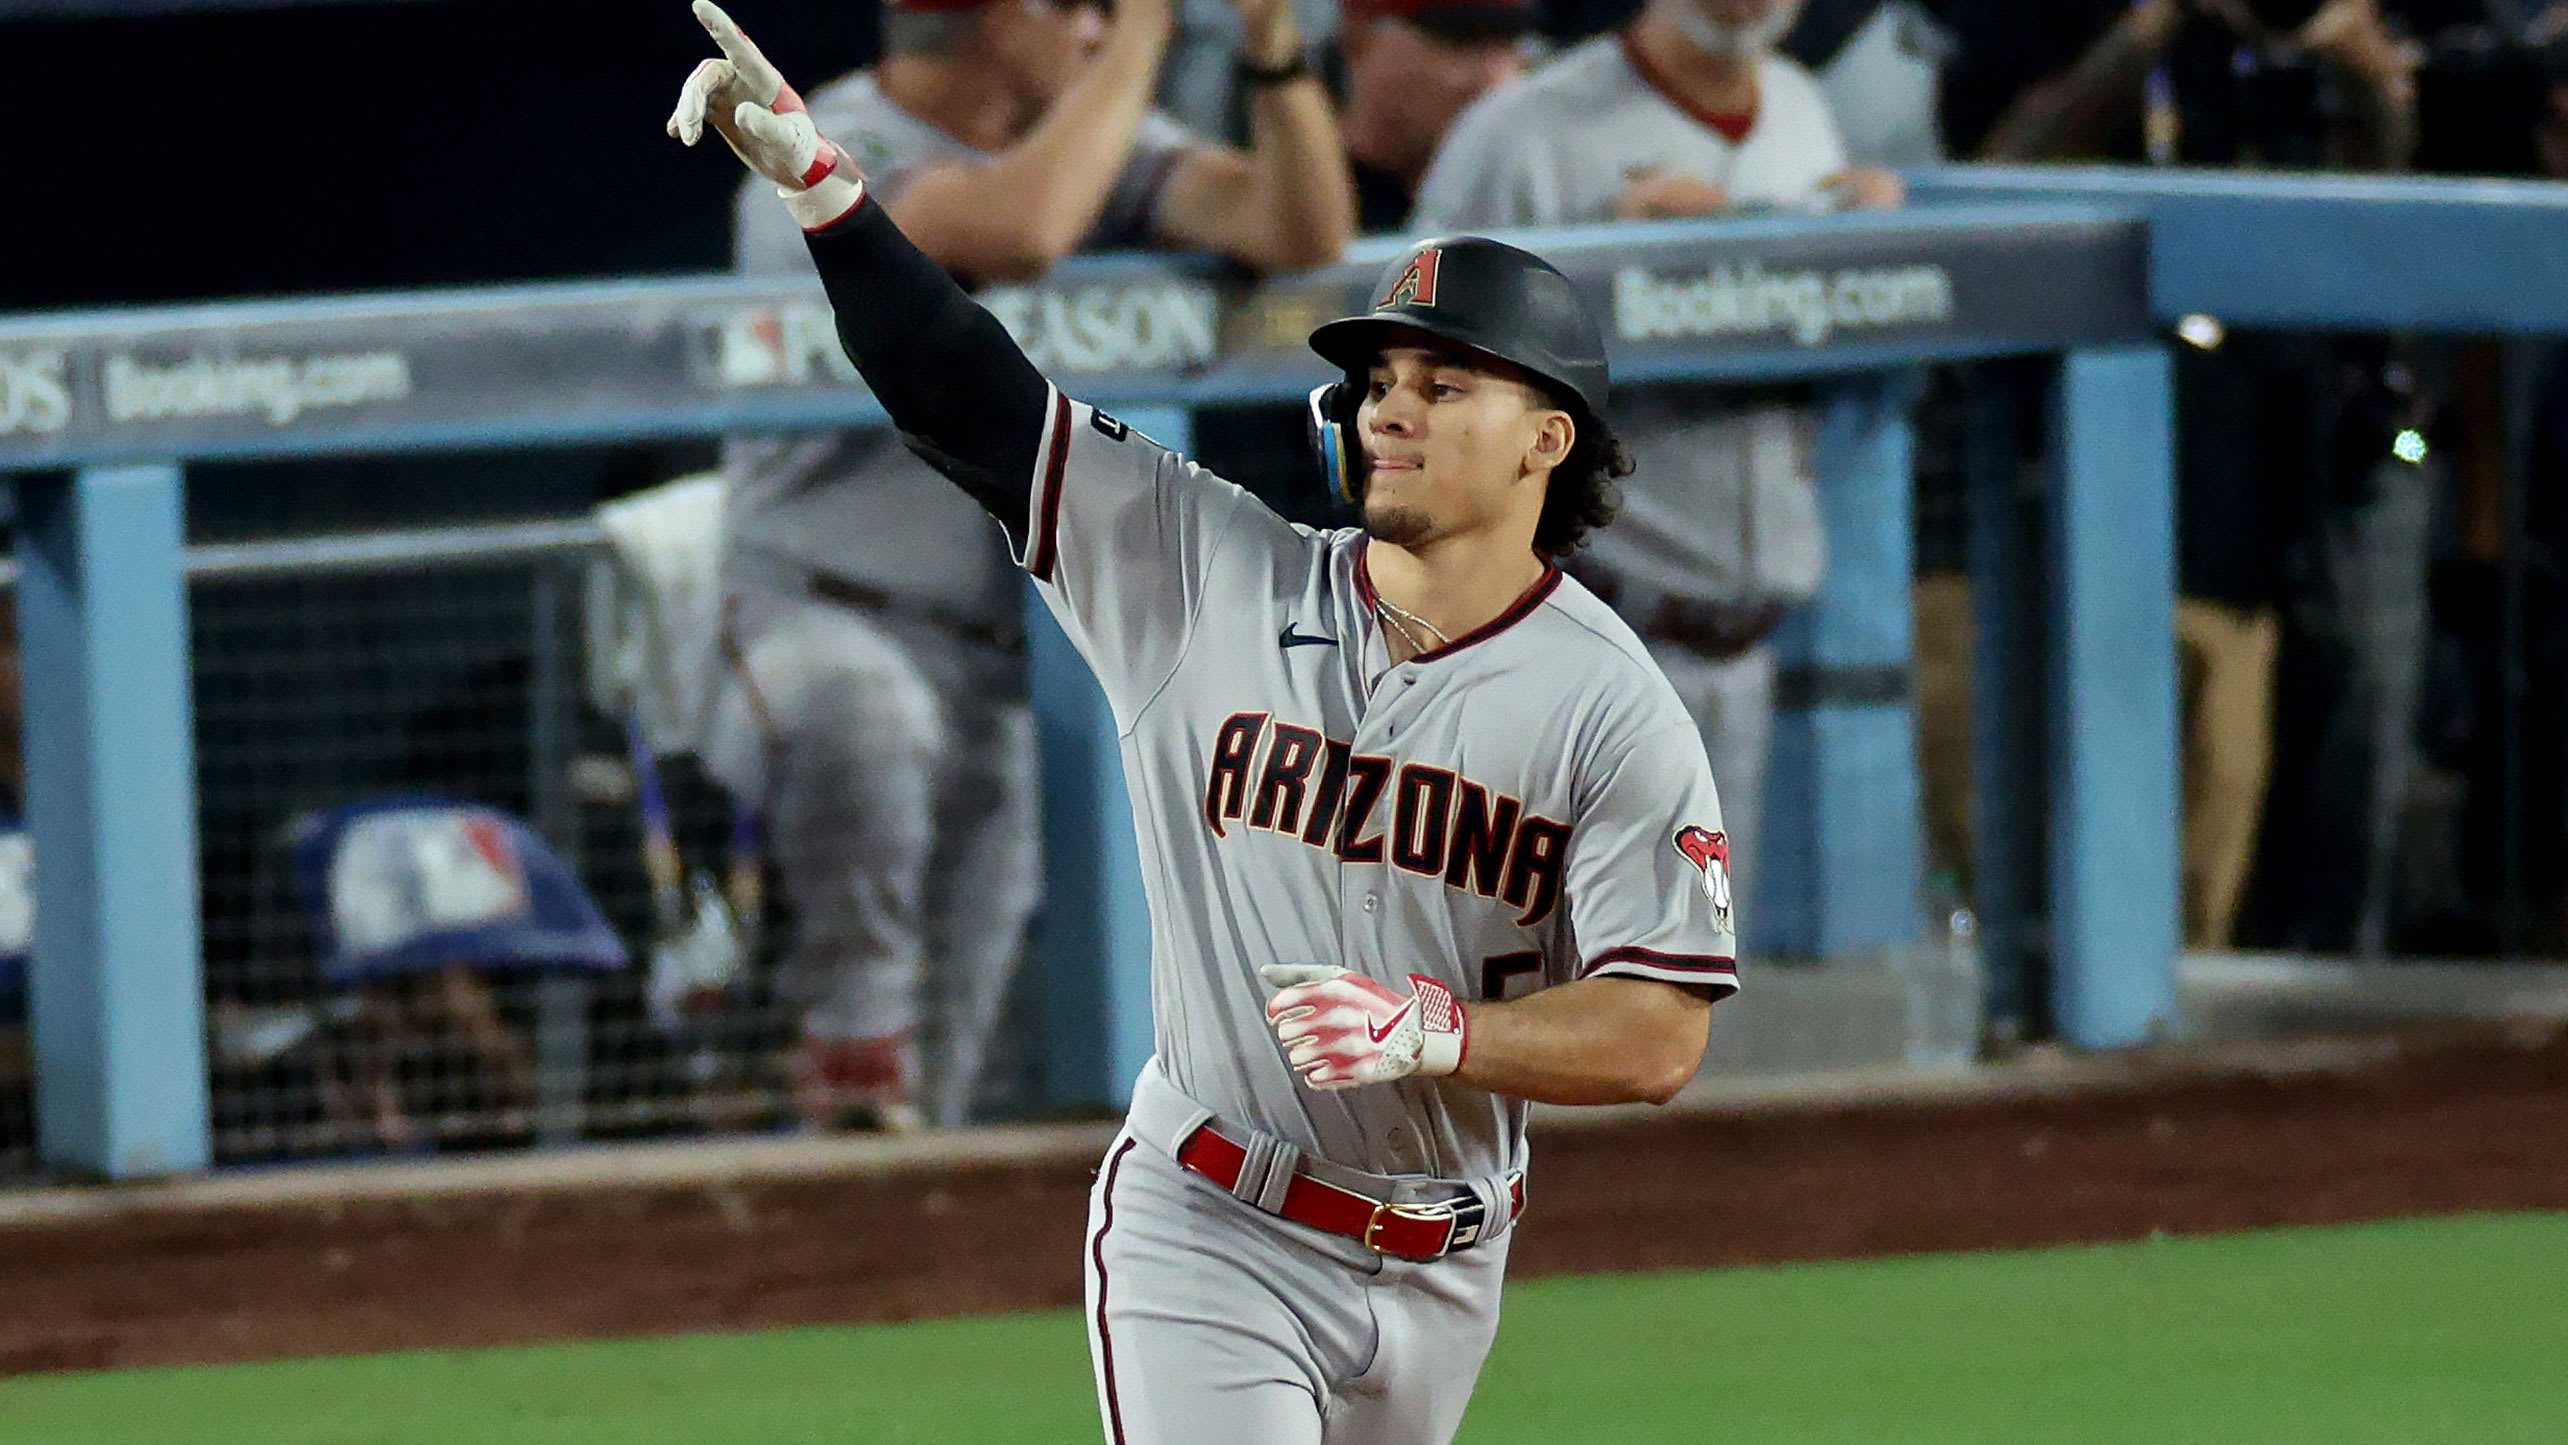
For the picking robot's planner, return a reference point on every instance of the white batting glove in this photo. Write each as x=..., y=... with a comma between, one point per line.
x=766, y=124
x=1342, y=1030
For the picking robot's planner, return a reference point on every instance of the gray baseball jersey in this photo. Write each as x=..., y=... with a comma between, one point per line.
x=1525, y=806
x=1559, y=146
x=1721, y=506
x=1883, y=86
x=858, y=504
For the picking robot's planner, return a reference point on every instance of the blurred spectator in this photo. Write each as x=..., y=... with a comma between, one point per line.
x=2483, y=852
x=2248, y=480
x=2289, y=498
x=1411, y=67
x=2275, y=83
x=1880, y=63
x=876, y=712
x=1689, y=112
x=2485, y=95
x=2485, y=861
x=2550, y=133
x=2534, y=552
x=2543, y=621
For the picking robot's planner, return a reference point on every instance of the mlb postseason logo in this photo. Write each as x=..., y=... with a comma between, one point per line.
x=1155, y=325
x=1161, y=324
x=35, y=392
x=780, y=346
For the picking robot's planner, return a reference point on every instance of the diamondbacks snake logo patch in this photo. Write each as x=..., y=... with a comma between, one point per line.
x=1709, y=852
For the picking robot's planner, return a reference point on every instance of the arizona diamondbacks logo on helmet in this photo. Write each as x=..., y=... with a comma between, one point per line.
x=1710, y=852
x=1417, y=284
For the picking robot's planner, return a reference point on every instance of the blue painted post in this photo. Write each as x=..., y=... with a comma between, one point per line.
x=1092, y=937
x=1839, y=868
x=117, y=989
x=2113, y=856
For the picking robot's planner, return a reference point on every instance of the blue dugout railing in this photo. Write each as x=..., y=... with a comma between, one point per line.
x=99, y=413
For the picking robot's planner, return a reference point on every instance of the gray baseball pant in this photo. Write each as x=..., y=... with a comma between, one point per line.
x=1211, y=1320
x=895, y=770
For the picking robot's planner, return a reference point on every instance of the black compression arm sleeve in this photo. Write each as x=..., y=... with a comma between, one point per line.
x=953, y=380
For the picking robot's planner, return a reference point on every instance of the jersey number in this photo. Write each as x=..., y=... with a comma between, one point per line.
x=1500, y=971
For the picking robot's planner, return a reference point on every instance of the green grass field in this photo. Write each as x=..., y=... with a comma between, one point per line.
x=2442, y=1331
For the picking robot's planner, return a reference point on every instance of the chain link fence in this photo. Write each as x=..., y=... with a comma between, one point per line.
x=438, y=668
x=435, y=673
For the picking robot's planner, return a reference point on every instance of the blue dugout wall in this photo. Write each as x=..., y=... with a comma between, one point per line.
x=2075, y=670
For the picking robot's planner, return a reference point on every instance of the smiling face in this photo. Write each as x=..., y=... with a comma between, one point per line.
x=1454, y=445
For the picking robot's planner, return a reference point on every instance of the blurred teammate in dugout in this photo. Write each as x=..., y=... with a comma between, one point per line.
x=1694, y=109
x=857, y=680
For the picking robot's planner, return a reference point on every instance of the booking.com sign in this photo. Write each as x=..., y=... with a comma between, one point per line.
x=1807, y=305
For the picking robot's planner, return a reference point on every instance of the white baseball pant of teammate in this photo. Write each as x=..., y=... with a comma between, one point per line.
x=893, y=766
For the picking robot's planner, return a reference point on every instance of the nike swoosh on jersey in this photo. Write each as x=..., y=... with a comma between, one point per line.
x=1289, y=638
x=1392, y=1022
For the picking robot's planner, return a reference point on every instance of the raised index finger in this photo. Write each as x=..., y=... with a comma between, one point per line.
x=744, y=55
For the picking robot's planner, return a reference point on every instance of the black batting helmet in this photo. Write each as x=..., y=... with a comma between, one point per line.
x=1482, y=295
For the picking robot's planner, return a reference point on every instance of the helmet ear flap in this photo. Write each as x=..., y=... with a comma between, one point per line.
x=1332, y=418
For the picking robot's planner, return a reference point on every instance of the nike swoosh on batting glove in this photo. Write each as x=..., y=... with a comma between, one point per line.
x=1342, y=1030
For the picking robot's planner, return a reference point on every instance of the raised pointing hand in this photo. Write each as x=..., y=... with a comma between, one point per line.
x=748, y=103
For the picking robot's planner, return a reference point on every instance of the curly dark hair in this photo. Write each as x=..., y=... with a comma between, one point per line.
x=1583, y=495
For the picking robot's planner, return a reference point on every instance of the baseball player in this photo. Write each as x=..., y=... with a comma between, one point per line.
x=1688, y=112
x=1427, y=838
x=877, y=711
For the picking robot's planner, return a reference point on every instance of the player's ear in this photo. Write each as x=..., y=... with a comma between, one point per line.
x=1554, y=433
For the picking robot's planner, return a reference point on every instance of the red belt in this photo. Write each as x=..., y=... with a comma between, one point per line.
x=1403, y=1231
